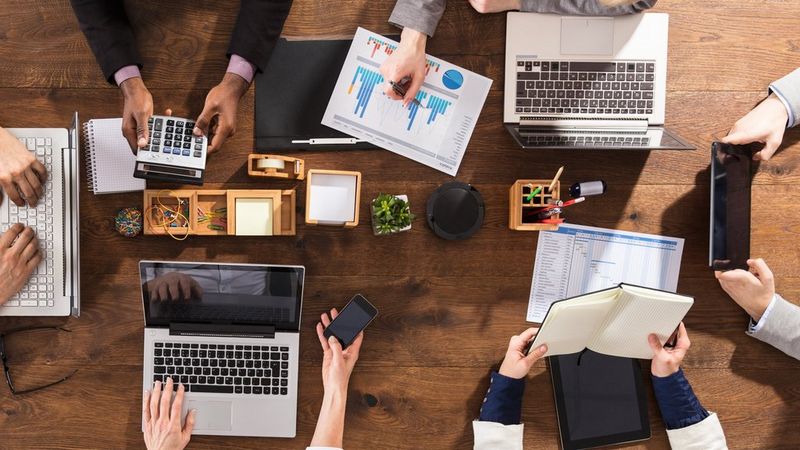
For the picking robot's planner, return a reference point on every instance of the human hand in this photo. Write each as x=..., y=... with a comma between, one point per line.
x=20, y=171
x=174, y=286
x=667, y=361
x=337, y=364
x=407, y=61
x=218, y=119
x=766, y=123
x=517, y=364
x=19, y=256
x=493, y=6
x=753, y=290
x=138, y=109
x=162, y=423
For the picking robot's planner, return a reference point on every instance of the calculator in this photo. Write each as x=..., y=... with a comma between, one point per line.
x=173, y=153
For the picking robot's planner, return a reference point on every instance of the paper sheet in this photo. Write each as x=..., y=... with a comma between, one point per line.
x=254, y=217
x=435, y=134
x=576, y=260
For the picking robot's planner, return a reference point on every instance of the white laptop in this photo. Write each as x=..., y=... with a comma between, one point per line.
x=230, y=333
x=54, y=287
x=587, y=82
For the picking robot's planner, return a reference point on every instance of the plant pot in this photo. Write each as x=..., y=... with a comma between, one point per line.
x=376, y=221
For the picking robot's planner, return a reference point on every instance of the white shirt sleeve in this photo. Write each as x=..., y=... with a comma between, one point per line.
x=755, y=327
x=783, y=100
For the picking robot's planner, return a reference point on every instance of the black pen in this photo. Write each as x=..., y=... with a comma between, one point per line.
x=398, y=89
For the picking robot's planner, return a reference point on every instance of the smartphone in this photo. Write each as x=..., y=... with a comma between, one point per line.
x=354, y=317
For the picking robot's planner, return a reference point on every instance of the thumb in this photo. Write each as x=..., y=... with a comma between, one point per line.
x=739, y=137
x=201, y=125
x=336, y=347
x=141, y=130
x=655, y=345
x=769, y=149
x=189, y=425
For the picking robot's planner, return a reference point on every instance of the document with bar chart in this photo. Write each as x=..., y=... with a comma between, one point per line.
x=435, y=132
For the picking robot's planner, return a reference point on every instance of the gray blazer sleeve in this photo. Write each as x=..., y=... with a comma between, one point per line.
x=781, y=328
x=788, y=88
x=420, y=15
x=584, y=7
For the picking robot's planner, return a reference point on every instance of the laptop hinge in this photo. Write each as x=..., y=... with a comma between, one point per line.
x=584, y=123
x=221, y=330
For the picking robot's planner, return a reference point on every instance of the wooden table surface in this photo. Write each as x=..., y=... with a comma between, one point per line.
x=447, y=308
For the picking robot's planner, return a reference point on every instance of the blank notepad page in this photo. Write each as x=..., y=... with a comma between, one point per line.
x=109, y=160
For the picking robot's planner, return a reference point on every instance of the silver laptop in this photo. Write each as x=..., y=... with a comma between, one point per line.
x=54, y=287
x=230, y=333
x=587, y=82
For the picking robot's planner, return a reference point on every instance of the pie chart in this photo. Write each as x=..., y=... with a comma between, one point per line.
x=452, y=79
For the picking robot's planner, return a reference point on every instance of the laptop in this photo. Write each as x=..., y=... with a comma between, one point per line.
x=587, y=82
x=54, y=287
x=292, y=94
x=230, y=333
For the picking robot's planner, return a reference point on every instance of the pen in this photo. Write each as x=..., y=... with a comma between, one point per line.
x=533, y=193
x=555, y=179
x=401, y=91
x=563, y=204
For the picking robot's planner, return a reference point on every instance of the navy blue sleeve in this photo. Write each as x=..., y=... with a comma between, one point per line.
x=677, y=402
x=503, y=402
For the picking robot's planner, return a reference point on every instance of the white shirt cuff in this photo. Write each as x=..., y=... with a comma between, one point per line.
x=755, y=327
x=778, y=94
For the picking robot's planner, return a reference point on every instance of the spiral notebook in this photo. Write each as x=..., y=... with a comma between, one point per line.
x=109, y=160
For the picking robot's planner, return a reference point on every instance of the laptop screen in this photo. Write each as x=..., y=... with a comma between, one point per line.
x=239, y=294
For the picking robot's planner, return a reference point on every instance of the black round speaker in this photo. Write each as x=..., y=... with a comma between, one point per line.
x=455, y=211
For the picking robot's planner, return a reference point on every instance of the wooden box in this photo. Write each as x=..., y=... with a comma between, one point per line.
x=293, y=168
x=342, y=192
x=213, y=212
x=519, y=207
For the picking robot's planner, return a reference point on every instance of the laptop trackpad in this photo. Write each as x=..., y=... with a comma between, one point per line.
x=582, y=36
x=211, y=415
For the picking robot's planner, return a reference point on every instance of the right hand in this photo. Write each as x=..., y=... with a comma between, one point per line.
x=162, y=423
x=408, y=60
x=517, y=364
x=667, y=361
x=20, y=171
x=174, y=286
x=17, y=261
x=766, y=123
x=337, y=364
x=138, y=109
x=753, y=291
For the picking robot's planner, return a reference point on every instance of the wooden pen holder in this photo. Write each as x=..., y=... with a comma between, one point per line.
x=275, y=166
x=519, y=207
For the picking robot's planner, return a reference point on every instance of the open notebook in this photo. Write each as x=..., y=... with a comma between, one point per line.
x=614, y=321
x=109, y=160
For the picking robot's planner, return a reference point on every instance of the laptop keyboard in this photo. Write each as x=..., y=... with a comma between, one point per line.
x=558, y=140
x=226, y=369
x=585, y=87
x=40, y=288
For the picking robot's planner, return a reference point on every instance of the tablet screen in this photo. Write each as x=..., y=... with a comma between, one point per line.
x=729, y=239
x=600, y=400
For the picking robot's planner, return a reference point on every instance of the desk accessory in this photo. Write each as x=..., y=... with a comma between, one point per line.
x=128, y=222
x=275, y=166
x=109, y=158
x=187, y=212
x=391, y=214
x=525, y=202
x=173, y=153
x=455, y=211
x=587, y=188
x=332, y=197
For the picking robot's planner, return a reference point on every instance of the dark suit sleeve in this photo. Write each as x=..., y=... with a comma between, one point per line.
x=257, y=29
x=105, y=25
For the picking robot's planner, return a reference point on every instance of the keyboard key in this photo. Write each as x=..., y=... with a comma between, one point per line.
x=211, y=389
x=275, y=391
x=284, y=391
x=257, y=390
x=159, y=369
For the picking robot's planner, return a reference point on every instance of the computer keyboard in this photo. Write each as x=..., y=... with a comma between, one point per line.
x=585, y=87
x=40, y=288
x=561, y=140
x=226, y=369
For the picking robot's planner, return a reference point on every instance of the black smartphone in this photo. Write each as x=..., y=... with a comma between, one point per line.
x=354, y=317
x=731, y=177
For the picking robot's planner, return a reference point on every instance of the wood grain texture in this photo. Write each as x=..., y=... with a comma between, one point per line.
x=447, y=308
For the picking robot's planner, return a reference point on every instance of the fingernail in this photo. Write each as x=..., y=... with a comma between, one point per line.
x=197, y=131
x=332, y=339
x=142, y=142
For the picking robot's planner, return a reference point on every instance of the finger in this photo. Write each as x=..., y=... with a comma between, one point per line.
x=528, y=334
x=40, y=169
x=683, y=338
x=8, y=237
x=536, y=353
x=129, y=131
x=35, y=183
x=168, y=112
x=336, y=347
x=174, y=291
x=390, y=92
x=323, y=341
x=30, y=250
x=155, y=397
x=655, y=344
x=761, y=269
x=185, y=288
x=175, y=411
x=355, y=346
x=34, y=262
x=741, y=137
x=222, y=134
x=141, y=129
x=166, y=398
x=202, y=122
x=334, y=313
x=11, y=190
x=411, y=93
x=189, y=426
x=23, y=240
x=325, y=320
x=146, y=406
x=27, y=190
x=197, y=291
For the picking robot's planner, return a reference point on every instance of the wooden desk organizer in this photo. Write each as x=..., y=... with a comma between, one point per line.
x=517, y=204
x=283, y=214
x=293, y=168
x=310, y=181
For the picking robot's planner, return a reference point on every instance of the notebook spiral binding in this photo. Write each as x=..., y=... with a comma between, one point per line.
x=91, y=165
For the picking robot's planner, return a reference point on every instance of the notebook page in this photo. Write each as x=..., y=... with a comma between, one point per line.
x=570, y=325
x=112, y=158
x=628, y=327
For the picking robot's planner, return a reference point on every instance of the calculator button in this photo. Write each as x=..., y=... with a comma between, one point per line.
x=189, y=124
x=150, y=120
x=187, y=145
x=144, y=149
x=180, y=124
x=198, y=140
x=166, y=136
x=156, y=141
x=170, y=129
x=168, y=143
x=176, y=151
x=198, y=146
x=186, y=153
x=170, y=123
x=198, y=154
x=157, y=134
x=159, y=124
x=167, y=150
x=187, y=139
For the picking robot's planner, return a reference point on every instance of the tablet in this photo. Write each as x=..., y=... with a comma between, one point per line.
x=729, y=234
x=600, y=400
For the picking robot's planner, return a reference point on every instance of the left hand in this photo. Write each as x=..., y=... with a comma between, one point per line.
x=337, y=364
x=667, y=361
x=766, y=123
x=162, y=423
x=218, y=119
x=493, y=6
x=517, y=364
x=20, y=171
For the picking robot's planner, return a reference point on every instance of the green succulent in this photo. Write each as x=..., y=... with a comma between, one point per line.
x=390, y=214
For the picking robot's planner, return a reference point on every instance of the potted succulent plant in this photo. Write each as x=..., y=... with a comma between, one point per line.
x=391, y=214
